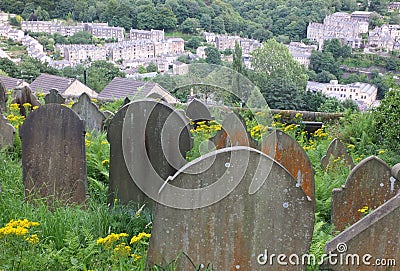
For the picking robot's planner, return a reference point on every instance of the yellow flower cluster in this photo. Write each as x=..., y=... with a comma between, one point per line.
x=104, y=142
x=363, y=210
x=257, y=131
x=105, y=162
x=351, y=146
x=20, y=228
x=290, y=127
x=204, y=127
x=40, y=95
x=139, y=237
x=381, y=152
x=320, y=133
x=14, y=106
x=109, y=239
x=136, y=257
x=122, y=250
x=26, y=105
x=88, y=142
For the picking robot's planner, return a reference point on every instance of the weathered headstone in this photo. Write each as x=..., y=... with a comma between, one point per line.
x=396, y=171
x=121, y=184
x=7, y=132
x=368, y=184
x=23, y=95
x=375, y=237
x=156, y=96
x=155, y=139
x=53, y=154
x=53, y=97
x=89, y=112
x=241, y=224
x=288, y=152
x=3, y=98
x=335, y=150
x=233, y=133
x=198, y=111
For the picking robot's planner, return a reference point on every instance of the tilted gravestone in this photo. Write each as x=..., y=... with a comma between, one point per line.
x=155, y=139
x=375, y=237
x=336, y=150
x=198, y=111
x=90, y=113
x=53, y=154
x=227, y=208
x=53, y=97
x=369, y=184
x=233, y=133
x=24, y=95
x=3, y=98
x=7, y=132
x=287, y=151
x=396, y=171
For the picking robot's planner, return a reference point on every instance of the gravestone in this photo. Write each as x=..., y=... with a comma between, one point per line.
x=3, y=98
x=7, y=132
x=90, y=113
x=155, y=139
x=24, y=95
x=198, y=111
x=369, y=184
x=288, y=152
x=156, y=96
x=233, y=133
x=377, y=235
x=53, y=154
x=396, y=171
x=121, y=184
x=53, y=97
x=335, y=150
x=228, y=208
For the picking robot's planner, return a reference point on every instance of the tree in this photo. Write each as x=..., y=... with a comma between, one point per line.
x=81, y=37
x=324, y=77
x=190, y=25
x=152, y=67
x=280, y=78
x=141, y=69
x=42, y=14
x=166, y=18
x=205, y=22
x=237, y=63
x=213, y=56
x=193, y=43
x=100, y=73
x=320, y=61
x=9, y=67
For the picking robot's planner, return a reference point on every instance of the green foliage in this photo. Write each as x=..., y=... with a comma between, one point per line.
x=213, y=56
x=81, y=37
x=152, y=67
x=190, y=25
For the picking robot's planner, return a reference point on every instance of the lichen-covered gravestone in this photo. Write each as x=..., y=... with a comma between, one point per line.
x=53, y=97
x=53, y=155
x=233, y=133
x=198, y=111
x=336, y=150
x=155, y=139
x=227, y=208
x=7, y=132
x=369, y=184
x=90, y=113
x=287, y=151
x=375, y=237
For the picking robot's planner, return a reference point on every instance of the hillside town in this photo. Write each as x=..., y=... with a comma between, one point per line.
x=141, y=47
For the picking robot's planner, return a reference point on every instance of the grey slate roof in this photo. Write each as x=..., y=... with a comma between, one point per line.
x=9, y=82
x=45, y=82
x=124, y=87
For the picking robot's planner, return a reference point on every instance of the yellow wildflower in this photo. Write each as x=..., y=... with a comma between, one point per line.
x=122, y=250
x=26, y=105
x=33, y=239
x=363, y=210
x=381, y=152
x=139, y=237
x=109, y=239
x=35, y=107
x=136, y=257
x=105, y=162
x=104, y=142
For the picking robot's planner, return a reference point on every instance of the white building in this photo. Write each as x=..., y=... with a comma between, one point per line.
x=362, y=93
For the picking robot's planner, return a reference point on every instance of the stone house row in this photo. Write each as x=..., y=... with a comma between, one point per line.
x=125, y=51
x=223, y=42
x=301, y=52
x=385, y=37
x=100, y=30
x=346, y=27
x=362, y=93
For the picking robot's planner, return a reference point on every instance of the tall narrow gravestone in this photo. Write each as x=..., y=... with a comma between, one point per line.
x=226, y=209
x=233, y=133
x=54, y=97
x=155, y=139
x=335, y=150
x=370, y=244
x=90, y=113
x=53, y=154
x=287, y=151
x=7, y=132
x=198, y=111
x=369, y=184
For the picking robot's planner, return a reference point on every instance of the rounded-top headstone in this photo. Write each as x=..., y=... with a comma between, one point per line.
x=54, y=97
x=198, y=111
